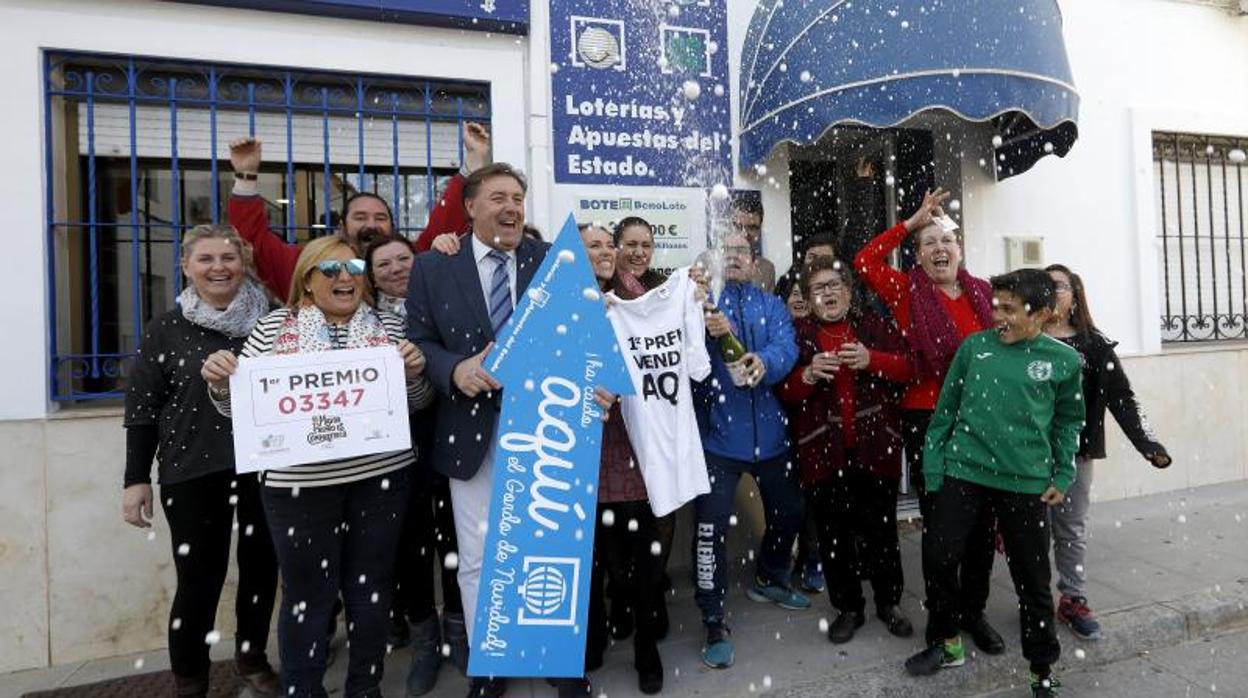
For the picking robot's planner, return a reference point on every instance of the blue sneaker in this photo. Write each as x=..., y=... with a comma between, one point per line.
x=782, y=596
x=811, y=579
x=717, y=652
x=1074, y=611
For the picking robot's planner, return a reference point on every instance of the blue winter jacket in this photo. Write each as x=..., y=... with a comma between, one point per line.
x=748, y=424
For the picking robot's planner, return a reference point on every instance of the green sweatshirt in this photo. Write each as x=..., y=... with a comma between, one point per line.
x=1008, y=417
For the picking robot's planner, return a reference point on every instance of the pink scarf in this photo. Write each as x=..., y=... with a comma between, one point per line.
x=932, y=334
x=305, y=331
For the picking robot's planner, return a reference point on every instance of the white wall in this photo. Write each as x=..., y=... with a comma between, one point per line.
x=1139, y=65
x=172, y=30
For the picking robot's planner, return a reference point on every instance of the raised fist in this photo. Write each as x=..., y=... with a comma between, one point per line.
x=245, y=154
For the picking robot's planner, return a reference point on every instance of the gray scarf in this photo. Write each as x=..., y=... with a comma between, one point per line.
x=237, y=320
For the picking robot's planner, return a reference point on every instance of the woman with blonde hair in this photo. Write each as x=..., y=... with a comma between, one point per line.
x=335, y=525
x=168, y=416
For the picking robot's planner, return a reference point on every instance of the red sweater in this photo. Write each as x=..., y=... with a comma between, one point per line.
x=275, y=259
x=857, y=399
x=893, y=287
x=447, y=216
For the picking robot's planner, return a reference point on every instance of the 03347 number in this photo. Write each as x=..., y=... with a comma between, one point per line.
x=318, y=402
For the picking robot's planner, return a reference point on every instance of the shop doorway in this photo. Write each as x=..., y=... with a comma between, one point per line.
x=851, y=185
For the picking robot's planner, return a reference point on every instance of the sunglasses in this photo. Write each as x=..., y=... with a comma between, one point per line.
x=332, y=267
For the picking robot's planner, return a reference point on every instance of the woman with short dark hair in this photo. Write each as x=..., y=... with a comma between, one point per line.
x=843, y=395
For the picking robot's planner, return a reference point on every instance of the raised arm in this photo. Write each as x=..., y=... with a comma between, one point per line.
x=448, y=214
x=872, y=265
x=274, y=259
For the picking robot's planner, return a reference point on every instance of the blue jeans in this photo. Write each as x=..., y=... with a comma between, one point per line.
x=339, y=539
x=782, y=503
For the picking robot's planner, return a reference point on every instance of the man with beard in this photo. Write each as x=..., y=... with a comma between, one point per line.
x=365, y=216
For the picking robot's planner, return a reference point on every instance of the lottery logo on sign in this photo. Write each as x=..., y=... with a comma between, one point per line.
x=599, y=43
x=549, y=591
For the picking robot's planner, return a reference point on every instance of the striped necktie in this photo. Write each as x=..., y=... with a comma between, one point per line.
x=500, y=291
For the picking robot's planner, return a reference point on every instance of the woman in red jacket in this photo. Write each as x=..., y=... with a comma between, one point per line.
x=844, y=392
x=937, y=304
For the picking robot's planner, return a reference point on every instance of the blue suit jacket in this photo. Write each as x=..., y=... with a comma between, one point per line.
x=448, y=320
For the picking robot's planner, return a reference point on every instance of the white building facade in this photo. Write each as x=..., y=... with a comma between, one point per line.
x=93, y=206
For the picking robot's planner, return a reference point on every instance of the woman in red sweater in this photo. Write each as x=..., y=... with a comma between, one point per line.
x=844, y=394
x=937, y=304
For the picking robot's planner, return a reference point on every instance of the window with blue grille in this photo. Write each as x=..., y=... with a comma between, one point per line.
x=137, y=153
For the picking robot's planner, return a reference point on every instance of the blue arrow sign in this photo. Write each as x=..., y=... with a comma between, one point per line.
x=557, y=347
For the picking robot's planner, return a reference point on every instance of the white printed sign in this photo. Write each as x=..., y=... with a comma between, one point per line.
x=295, y=409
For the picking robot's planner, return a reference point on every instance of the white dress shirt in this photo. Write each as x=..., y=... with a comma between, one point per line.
x=486, y=265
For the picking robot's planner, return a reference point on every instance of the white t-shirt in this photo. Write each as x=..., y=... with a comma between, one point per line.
x=661, y=340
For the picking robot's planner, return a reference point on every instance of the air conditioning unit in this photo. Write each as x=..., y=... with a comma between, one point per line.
x=1024, y=251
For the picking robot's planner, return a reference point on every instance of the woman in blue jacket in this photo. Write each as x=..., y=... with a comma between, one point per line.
x=743, y=431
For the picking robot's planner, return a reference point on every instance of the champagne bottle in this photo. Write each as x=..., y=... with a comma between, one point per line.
x=731, y=348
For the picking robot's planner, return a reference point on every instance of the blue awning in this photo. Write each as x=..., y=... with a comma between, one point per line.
x=810, y=65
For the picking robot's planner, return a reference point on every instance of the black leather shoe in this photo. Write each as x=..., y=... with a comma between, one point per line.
x=987, y=639
x=842, y=629
x=621, y=620
x=896, y=621
x=481, y=687
x=649, y=669
x=573, y=688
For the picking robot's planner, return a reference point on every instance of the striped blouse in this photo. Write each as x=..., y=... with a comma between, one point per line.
x=335, y=472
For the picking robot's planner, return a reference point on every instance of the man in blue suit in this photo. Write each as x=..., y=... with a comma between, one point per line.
x=456, y=305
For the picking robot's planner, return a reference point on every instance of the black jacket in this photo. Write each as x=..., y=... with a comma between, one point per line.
x=168, y=412
x=1105, y=385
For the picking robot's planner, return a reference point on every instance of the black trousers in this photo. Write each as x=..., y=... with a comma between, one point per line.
x=201, y=516
x=628, y=559
x=331, y=540
x=856, y=512
x=1023, y=518
x=976, y=571
x=428, y=534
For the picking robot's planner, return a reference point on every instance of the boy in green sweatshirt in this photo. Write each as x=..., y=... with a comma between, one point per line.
x=1004, y=436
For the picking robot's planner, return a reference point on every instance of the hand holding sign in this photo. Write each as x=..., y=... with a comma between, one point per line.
x=218, y=368
x=413, y=359
x=471, y=378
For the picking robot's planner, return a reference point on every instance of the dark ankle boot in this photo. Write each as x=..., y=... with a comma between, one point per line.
x=257, y=675
x=455, y=634
x=426, y=657
x=190, y=686
x=649, y=668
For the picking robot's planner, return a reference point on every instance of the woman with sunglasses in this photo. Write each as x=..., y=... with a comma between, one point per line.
x=168, y=417
x=335, y=525
x=1105, y=386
